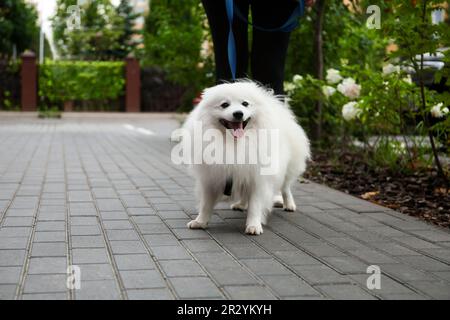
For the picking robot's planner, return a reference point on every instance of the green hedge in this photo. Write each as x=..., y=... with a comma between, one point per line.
x=61, y=81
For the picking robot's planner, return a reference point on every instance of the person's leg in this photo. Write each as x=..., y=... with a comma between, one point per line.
x=218, y=22
x=269, y=49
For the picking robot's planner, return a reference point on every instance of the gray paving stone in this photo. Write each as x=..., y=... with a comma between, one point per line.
x=18, y=221
x=49, y=249
x=109, y=205
x=20, y=212
x=442, y=254
x=167, y=215
x=433, y=235
x=39, y=283
x=83, y=221
x=153, y=228
x=202, y=246
x=10, y=258
x=7, y=291
x=436, y=289
x=425, y=263
x=127, y=247
x=321, y=274
x=445, y=275
x=249, y=293
x=113, y=215
x=224, y=269
x=10, y=275
x=98, y=290
x=142, y=279
x=87, y=242
x=15, y=232
x=79, y=196
x=14, y=243
x=346, y=265
x=117, y=224
x=82, y=209
x=405, y=272
x=372, y=256
x=122, y=234
x=45, y=296
x=345, y=292
x=154, y=240
x=186, y=233
x=199, y=287
x=150, y=294
x=91, y=272
x=289, y=285
x=91, y=255
x=141, y=211
x=394, y=249
x=296, y=258
x=50, y=226
x=177, y=223
x=170, y=253
x=134, y=262
x=416, y=243
x=249, y=250
x=266, y=267
x=401, y=296
x=85, y=230
x=180, y=268
x=52, y=216
x=52, y=265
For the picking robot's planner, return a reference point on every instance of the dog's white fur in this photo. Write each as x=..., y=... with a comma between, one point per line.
x=254, y=191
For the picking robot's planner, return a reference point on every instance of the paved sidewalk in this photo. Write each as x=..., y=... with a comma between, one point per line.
x=101, y=193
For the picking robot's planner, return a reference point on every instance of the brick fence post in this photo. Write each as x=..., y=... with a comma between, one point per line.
x=133, y=85
x=28, y=78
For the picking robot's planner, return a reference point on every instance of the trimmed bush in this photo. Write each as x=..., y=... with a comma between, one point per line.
x=61, y=81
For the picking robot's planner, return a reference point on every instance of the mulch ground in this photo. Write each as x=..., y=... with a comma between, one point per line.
x=420, y=194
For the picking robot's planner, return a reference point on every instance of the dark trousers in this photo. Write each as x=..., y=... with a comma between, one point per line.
x=268, y=49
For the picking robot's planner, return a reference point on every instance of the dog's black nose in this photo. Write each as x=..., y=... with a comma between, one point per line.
x=238, y=115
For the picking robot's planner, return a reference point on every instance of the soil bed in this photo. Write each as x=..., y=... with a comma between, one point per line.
x=420, y=194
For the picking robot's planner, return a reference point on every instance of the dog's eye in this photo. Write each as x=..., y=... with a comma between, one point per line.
x=245, y=104
x=225, y=105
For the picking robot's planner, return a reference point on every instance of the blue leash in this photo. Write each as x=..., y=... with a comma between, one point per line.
x=288, y=26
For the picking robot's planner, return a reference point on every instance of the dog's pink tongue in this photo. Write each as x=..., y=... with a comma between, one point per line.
x=237, y=129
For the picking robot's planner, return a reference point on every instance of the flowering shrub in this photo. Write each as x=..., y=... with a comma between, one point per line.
x=384, y=105
x=380, y=109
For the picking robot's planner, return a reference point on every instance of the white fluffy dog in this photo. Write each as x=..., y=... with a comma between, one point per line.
x=232, y=111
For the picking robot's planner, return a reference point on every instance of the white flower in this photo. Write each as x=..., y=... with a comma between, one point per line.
x=398, y=148
x=349, y=88
x=351, y=110
x=408, y=79
x=297, y=78
x=289, y=87
x=390, y=68
x=437, y=111
x=333, y=76
x=328, y=91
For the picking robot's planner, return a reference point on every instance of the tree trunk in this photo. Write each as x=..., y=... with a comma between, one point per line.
x=318, y=63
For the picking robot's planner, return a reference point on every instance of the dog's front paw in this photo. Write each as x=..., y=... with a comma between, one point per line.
x=238, y=206
x=254, y=229
x=291, y=207
x=194, y=224
x=278, y=201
